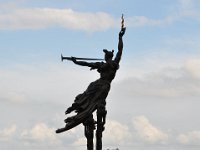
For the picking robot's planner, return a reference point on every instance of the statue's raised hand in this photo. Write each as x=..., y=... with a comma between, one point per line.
x=121, y=33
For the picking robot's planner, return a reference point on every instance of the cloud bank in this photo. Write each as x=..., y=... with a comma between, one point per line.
x=167, y=82
x=141, y=132
x=17, y=18
x=40, y=133
x=190, y=138
x=7, y=133
x=148, y=132
x=41, y=18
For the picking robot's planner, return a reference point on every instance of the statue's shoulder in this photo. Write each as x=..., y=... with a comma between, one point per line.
x=115, y=65
x=100, y=63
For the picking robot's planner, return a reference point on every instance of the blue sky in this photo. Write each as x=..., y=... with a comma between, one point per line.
x=154, y=99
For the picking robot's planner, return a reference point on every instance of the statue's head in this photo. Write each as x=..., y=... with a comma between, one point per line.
x=108, y=54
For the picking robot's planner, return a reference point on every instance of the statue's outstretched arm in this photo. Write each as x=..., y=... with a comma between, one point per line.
x=120, y=46
x=84, y=63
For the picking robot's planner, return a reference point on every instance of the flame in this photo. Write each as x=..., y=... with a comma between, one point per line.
x=122, y=22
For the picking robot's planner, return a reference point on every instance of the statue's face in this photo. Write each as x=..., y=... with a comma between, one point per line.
x=107, y=57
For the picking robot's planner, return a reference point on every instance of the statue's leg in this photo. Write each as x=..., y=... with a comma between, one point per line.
x=89, y=131
x=101, y=116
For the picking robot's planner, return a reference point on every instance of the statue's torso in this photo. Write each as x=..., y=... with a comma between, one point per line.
x=108, y=70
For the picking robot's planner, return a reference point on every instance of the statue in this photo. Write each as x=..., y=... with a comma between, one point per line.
x=94, y=98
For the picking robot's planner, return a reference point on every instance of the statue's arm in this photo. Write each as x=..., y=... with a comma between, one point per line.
x=120, y=46
x=84, y=63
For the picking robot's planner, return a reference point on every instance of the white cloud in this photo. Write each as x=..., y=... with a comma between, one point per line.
x=192, y=66
x=40, y=133
x=7, y=133
x=30, y=83
x=187, y=7
x=15, y=18
x=190, y=138
x=173, y=81
x=80, y=141
x=40, y=18
x=139, y=21
x=186, y=4
x=184, y=9
x=116, y=133
x=13, y=96
x=148, y=132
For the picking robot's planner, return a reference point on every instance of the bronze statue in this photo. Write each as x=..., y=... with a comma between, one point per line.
x=94, y=98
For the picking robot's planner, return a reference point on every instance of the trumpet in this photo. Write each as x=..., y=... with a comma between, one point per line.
x=78, y=58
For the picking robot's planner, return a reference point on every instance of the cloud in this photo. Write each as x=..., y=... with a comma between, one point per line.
x=177, y=81
x=30, y=83
x=183, y=44
x=185, y=8
x=190, y=138
x=148, y=132
x=7, y=133
x=192, y=66
x=41, y=18
x=14, y=97
x=80, y=142
x=16, y=18
x=116, y=133
x=140, y=21
x=39, y=133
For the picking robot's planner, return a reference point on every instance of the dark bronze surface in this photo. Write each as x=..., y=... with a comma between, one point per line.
x=94, y=97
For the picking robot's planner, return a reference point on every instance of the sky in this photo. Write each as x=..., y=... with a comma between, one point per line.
x=154, y=99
